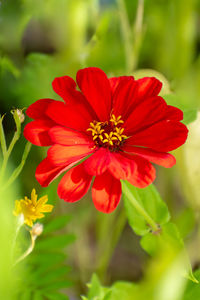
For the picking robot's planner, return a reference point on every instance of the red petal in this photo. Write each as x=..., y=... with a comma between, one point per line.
x=98, y=162
x=138, y=172
x=62, y=155
x=121, y=167
x=164, y=136
x=74, y=184
x=65, y=87
x=124, y=97
x=150, y=111
x=68, y=137
x=174, y=113
x=115, y=81
x=163, y=159
x=95, y=85
x=73, y=116
x=37, y=109
x=46, y=172
x=148, y=87
x=36, y=132
x=130, y=93
x=144, y=173
x=106, y=192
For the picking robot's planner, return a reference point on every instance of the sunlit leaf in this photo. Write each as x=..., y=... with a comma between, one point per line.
x=123, y=290
x=192, y=290
x=96, y=291
x=168, y=235
x=151, y=202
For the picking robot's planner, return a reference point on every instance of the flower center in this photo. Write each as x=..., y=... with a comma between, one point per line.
x=108, y=134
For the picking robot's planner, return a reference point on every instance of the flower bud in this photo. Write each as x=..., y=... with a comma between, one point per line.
x=37, y=229
x=20, y=115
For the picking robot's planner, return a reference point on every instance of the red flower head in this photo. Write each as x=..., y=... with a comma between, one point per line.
x=119, y=124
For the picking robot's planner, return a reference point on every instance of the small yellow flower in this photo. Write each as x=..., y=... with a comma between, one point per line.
x=32, y=209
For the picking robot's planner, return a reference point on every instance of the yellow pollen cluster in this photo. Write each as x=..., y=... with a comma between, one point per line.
x=108, y=134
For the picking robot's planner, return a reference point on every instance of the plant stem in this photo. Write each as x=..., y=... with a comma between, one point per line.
x=2, y=137
x=18, y=170
x=132, y=37
x=28, y=251
x=15, y=138
x=138, y=32
x=139, y=208
x=127, y=35
x=20, y=222
x=108, y=247
x=7, y=154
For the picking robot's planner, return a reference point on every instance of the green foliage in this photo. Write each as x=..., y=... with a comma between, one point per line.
x=45, y=270
x=153, y=205
x=118, y=291
x=150, y=219
x=6, y=65
x=168, y=237
x=40, y=40
x=192, y=290
x=171, y=286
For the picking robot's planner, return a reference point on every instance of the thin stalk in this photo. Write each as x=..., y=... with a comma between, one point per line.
x=138, y=32
x=109, y=246
x=126, y=34
x=15, y=138
x=28, y=251
x=20, y=222
x=2, y=137
x=18, y=170
x=132, y=36
x=7, y=154
x=139, y=208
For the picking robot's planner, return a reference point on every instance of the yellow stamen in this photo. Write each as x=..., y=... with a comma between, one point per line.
x=108, y=134
x=115, y=120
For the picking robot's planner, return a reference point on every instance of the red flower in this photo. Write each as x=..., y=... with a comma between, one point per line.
x=119, y=124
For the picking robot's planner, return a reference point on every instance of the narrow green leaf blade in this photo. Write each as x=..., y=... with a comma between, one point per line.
x=56, y=224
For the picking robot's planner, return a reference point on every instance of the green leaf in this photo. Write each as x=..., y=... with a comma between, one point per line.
x=123, y=290
x=151, y=204
x=44, y=277
x=96, y=291
x=168, y=236
x=38, y=296
x=6, y=65
x=168, y=242
x=94, y=287
x=192, y=290
x=58, y=241
x=55, y=296
x=56, y=223
x=47, y=258
x=57, y=286
x=189, y=113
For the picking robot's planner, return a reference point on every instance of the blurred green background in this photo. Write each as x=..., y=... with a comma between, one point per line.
x=40, y=40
